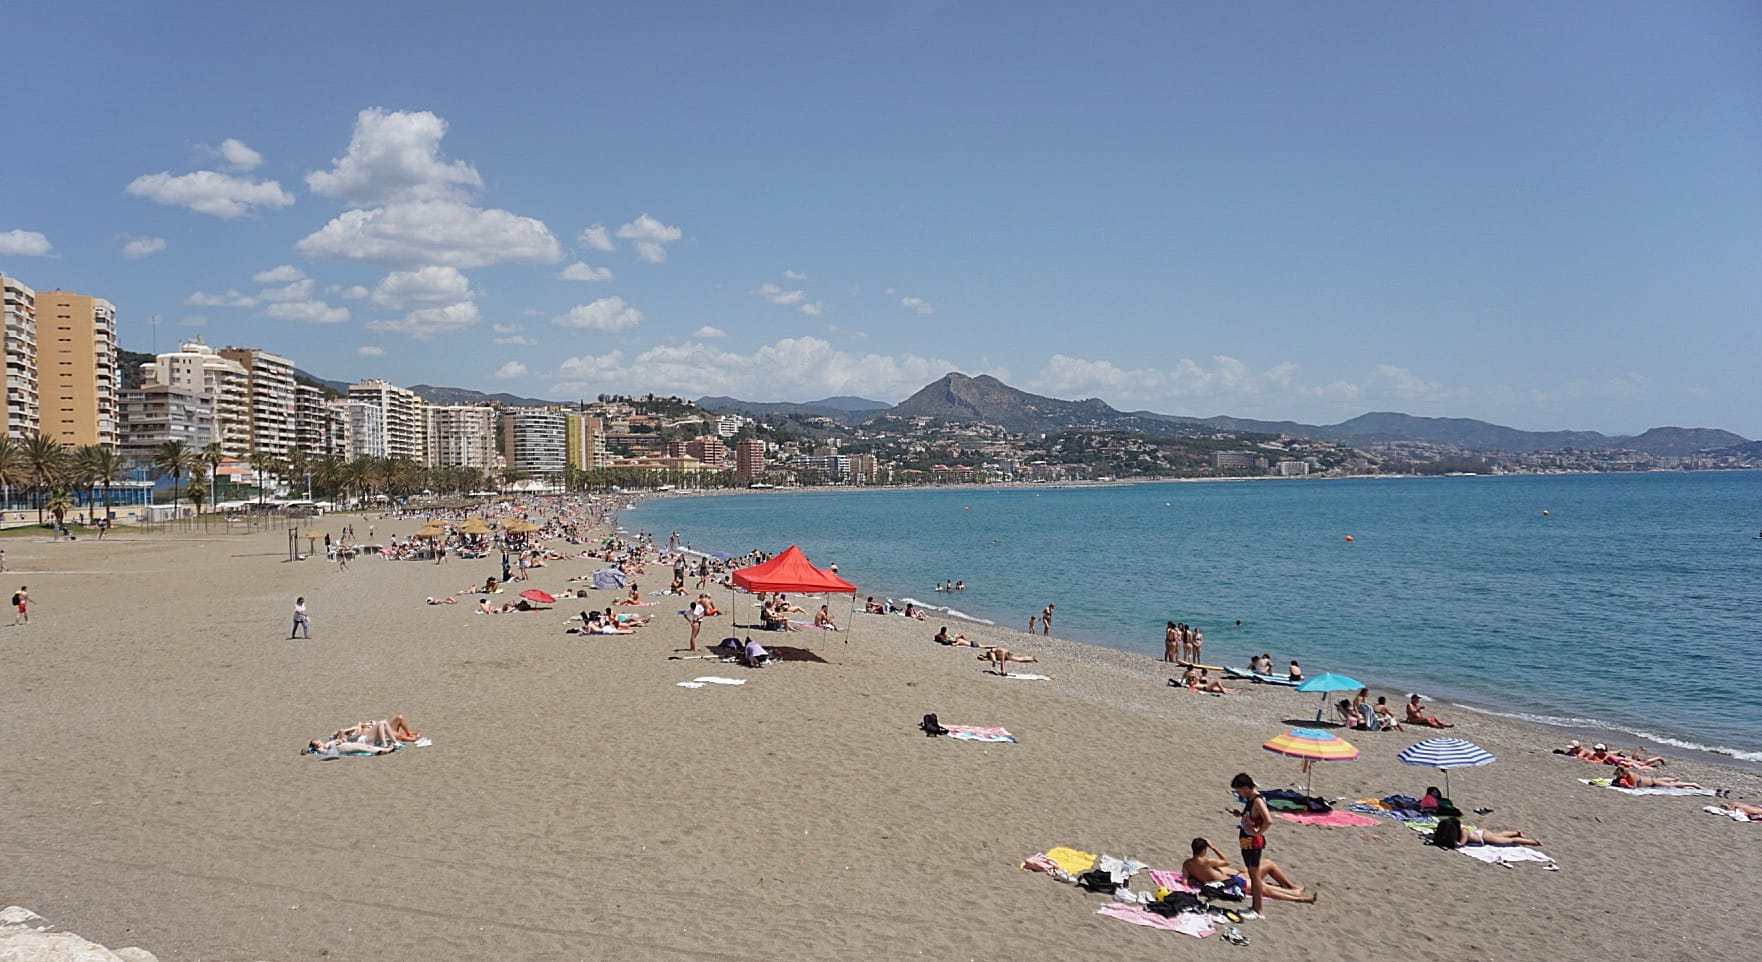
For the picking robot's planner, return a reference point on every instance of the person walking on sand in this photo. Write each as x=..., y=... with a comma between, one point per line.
x=21, y=603
x=1046, y=620
x=302, y=622
x=3, y=559
x=1251, y=828
x=695, y=615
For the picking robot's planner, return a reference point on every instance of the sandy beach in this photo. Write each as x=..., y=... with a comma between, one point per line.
x=576, y=803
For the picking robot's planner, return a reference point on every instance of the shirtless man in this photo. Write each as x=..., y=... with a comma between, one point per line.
x=823, y=619
x=1203, y=868
x=1000, y=657
x=1416, y=715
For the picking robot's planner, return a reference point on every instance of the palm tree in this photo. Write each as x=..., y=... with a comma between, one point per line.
x=14, y=472
x=173, y=458
x=211, y=455
x=60, y=503
x=263, y=464
x=47, y=459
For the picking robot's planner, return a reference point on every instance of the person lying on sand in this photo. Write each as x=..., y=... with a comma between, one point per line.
x=448, y=600
x=1198, y=679
x=1601, y=754
x=1417, y=716
x=1214, y=867
x=958, y=641
x=999, y=656
x=1744, y=808
x=367, y=737
x=1627, y=777
x=485, y=608
x=1451, y=833
x=911, y=611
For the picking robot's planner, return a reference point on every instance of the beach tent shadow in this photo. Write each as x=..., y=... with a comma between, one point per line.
x=796, y=654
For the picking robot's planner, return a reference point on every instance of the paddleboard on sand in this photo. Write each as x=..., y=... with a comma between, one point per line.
x=1195, y=664
x=1258, y=677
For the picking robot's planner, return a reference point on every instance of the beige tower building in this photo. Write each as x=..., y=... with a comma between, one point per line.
x=459, y=436
x=21, y=413
x=585, y=444
x=269, y=383
x=76, y=368
x=199, y=369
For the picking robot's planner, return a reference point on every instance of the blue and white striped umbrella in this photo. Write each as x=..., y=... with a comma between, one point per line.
x=1445, y=754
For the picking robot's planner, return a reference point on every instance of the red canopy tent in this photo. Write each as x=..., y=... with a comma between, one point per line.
x=791, y=571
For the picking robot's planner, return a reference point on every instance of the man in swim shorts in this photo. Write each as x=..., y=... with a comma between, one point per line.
x=1251, y=834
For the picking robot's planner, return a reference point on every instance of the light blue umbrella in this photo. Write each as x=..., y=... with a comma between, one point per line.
x=1444, y=754
x=1327, y=683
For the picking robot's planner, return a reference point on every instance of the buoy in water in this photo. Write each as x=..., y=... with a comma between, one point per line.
x=1544, y=512
x=1348, y=537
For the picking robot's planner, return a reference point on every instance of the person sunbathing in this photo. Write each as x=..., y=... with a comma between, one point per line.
x=448, y=600
x=1451, y=833
x=1417, y=716
x=788, y=607
x=999, y=656
x=634, y=598
x=823, y=619
x=485, y=608
x=1203, y=868
x=1601, y=754
x=1350, y=717
x=911, y=611
x=367, y=737
x=1754, y=812
x=1627, y=777
x=1386, y=715
x=873, y=607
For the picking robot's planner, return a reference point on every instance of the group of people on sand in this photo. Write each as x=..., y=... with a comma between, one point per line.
x=1200, y=679
x=365, y=738
x=1360, y=715
x=997, y=656
x=1182, y=643
x=1601, y=754
x=1262, y=664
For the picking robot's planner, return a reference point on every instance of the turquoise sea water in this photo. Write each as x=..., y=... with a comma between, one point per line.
x=1631, y=605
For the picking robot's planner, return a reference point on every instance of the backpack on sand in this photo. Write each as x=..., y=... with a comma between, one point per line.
x=932, y=727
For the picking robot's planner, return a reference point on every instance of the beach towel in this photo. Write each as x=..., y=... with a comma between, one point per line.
x=1187, y=923
x=1504, y=854
x=1173, y=881
x=1071, y=860
x=1730, y=813
x=1040, y=863
x=1606, y=783
x=1020, y=676
x=710, y=680
x=1330, y=819
x=979, y=733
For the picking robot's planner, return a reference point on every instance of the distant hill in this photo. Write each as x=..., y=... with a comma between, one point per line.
x=848, y=410
x=957, y=397
x=461, y=395
x=1678, y=442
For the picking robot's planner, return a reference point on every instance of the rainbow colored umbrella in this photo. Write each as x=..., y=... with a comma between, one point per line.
x=1311, y=745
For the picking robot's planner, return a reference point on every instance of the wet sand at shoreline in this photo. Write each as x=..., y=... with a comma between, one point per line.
x=576, y=803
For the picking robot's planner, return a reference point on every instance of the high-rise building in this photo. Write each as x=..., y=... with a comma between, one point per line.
x=366, y=428
x=402, y=409
x=320, y=429
x=534, y=442
x=22, y=414
x=749, y=458
x=459, y=436
x=76, y=368
x=196, y=367
x=710, y=450
x=153, y=414
x=269, y=388
x=586, y=444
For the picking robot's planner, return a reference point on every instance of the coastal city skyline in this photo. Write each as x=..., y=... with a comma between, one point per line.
x=1504, y=214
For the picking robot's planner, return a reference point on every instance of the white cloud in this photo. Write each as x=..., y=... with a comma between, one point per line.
x=193, y=320
x=918, y=304
x=369, y=350
x=231, y=298
x=794, y=276
x=430, y=321
x=279, y=275
x=512, y=369
x=707, y=331
x=650, y=237
x=237, y=156
x=814, y=309
x=598, y=238
x=25, y=243
x=300, y=290
x=777, y=295
x=395, y=156
x=581, y=272
x=140, y=247
x=1405, y=384
x=1225, y=384
x=608, y=314
x=353, y=292
x=505, y=328
x=519, y=340
x=210, y=192
x=424, y=287
x=793, y=367
x=307, y=312
x=433, y=232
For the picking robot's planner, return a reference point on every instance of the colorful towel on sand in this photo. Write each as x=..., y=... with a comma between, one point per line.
x=1605, y=783
x=1504, y=854
x=980, y=733
x=1187, y=923
x=710, y=680
x=1378, y=809
x=1173, y=881
x=1071, y=860
x=1330, y=819
x=1730, y=813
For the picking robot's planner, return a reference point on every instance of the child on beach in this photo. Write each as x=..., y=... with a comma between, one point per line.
x=21, y=602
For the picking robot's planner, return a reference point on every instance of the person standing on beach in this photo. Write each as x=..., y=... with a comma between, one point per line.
x=1033, y=622
x=302, y=622
x=695, y=615
x=1251, y=834
x=21, y=603
x=1171, y=644
x=1046, y=620
x=3, y=559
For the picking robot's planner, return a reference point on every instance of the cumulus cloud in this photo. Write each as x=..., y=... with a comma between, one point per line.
x=814, y=308
x=918, y=304
x=519, y=340
x=792, y=367
x=306, y=312
x=25, y=243
x=424, y=287
x=608, y=314
x=140, y=247
x=369, y=350
x=505, y=328
x=237, y=157
x=777, y=295
x=1225, y=383
x=395, y=156
x=650, y=237
x=279, y=275
x=581, y=272
x=512, y=369
x=598, y=238
x=707, y=331
x=297, y=291
x=795, y=276
x=210, y=192
x=439, y=232
x=428, y=322
x=353, y=292
x=231, y=298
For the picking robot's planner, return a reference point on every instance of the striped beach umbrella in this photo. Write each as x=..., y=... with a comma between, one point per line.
x=1311, y=745
x=1444, y=754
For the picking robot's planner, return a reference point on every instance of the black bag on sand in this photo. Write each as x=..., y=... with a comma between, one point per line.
x=1095, y=880
x=932, y=727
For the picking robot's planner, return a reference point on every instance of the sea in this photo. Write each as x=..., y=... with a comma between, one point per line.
x=1617, y=603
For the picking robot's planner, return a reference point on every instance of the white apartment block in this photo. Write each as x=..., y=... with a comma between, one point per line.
x=459, y=436
x=534, y=441
x=366, y=427
x=196, y=367
x=402, y=410
x=320, y=429
x=23, y=417
x=269, y=384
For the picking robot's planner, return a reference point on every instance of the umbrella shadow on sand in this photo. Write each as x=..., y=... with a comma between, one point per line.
x=1311, y=723
x=785, y=653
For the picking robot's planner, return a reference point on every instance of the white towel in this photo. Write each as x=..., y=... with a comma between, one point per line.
x=1730, y=813
x=690, y=684
x=1024, y=676
x=713, y=680
x=1496, y=854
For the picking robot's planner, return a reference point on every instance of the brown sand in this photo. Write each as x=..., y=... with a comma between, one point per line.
x=577, y=804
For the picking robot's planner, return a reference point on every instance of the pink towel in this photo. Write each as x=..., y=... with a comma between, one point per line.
x=1040, y=863
x=1331, y=819
x=980, y=733
x=1173, y=881
x=1187, y=923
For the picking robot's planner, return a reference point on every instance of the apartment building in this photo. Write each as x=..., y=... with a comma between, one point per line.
x=269, y=390
x=459, y=436
x=534, y=442
x=22, y=412
x=320, y=428
x=153, y=414
x=200, y=369
x=366, y=428
x=76, y=368
x=586, y=443
x=401, y=408
x=749, y=458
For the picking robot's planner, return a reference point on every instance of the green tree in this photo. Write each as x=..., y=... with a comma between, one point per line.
x=59, y=504
x=47, y=461
x=14, y=470
x=210, y=456
x=174, y=459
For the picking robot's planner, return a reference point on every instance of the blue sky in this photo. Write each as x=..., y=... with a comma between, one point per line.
x=1544, y=215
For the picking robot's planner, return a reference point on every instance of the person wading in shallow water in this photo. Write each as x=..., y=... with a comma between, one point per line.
x=1046, y=620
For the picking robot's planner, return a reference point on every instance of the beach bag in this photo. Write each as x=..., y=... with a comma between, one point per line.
x=1221, y=891
x=15, y=597
x=1095, y=880
x=932, y=727
x=1175, y=903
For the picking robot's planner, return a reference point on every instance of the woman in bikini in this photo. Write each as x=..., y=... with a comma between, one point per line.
x=1626, y=777
x=1451, y=833
x=1171, y=644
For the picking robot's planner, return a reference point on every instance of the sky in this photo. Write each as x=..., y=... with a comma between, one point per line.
x=1542, y=215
